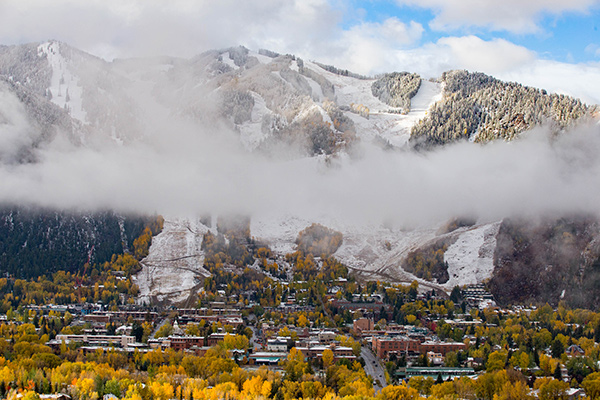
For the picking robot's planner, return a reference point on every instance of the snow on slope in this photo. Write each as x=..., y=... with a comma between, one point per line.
x=229, y=61
x=471, y=258
x=65, y=89
x=372, y=251
x=251, y=133
x=174, y=263
x=395, y=128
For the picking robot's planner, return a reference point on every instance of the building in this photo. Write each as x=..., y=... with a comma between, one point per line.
x=444, y=372
x=574, y=351
x=326, y=336
x=266, y=358
x=441, y=347
x=279, y=344
x=215, y=338
x=179, y=343
x=363, y=324
x=95, y=340
x=435, y=359
x=384, y=345
x=316, y=352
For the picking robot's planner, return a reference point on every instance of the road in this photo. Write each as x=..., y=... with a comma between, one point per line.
x=161, y=323
x=373, y=368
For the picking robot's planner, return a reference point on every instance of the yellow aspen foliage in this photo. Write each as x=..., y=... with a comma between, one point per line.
x=399, y=392
x=85, y=388
x=356, y=388
x=591, y=385
x=517, y=390
x=547, y=364
x=303, y=321
x=328, y=359
x=6, y=376
x=253, y=387
x=161, y=391
x=443, y=391
x=551, y=389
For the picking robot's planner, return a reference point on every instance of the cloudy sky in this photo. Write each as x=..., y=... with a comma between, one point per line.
x=547, y=43
x=552, y=44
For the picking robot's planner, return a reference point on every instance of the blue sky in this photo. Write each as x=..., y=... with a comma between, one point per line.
x=553, y=44
x=571, y=36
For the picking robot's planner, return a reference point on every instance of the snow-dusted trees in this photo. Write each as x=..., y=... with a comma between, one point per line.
x=481, y=108
x=396, y=89
x=238, y=105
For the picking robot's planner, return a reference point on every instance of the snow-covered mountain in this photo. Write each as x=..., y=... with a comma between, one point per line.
x=282, y=107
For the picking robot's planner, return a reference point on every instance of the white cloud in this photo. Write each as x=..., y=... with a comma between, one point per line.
x=494, y=56
x=511, y=15
x=593, y=49
x=371, y=47
x=199, y=172
x=578, y=80
x=177, y=27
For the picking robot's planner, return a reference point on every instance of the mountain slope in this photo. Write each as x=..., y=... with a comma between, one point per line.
x=294, y=111
x=481, y=108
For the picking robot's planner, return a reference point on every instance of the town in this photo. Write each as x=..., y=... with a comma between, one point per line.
x=441, y=340
x=285, y=327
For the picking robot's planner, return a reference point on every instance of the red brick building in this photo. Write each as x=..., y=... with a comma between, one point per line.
x=441, y=347
x=363, y=324
x=382, y=346
x=186, y=342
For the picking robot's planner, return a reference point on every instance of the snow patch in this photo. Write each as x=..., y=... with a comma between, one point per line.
x=316, y=90
x=471, y=258
x=174, y=263
x=261, y=59
x=227, y=60
x=64, y=87
x=394, y=128
x=251, y=132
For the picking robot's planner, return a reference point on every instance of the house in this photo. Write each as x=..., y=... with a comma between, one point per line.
x=574, y=351
x=178, y=342
x=363, y=324
x=279, y=344
x=96, y=340
x=575, y=393
x=435, y=359
x=267, y=358
x=441, y=347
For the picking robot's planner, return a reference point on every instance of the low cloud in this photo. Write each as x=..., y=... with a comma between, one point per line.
x=16, y=134
x=182, y=168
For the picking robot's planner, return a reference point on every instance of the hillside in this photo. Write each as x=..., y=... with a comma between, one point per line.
x=38, y=242
x=480, y=108
x=283, y=113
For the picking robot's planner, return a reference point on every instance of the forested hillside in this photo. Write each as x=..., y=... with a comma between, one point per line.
x=480, y=108
x=553, y=260
x=37, y=242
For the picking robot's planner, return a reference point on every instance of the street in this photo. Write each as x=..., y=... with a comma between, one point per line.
x=373, y=368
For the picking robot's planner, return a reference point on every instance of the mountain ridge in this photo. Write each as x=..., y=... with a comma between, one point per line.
x=281, y=106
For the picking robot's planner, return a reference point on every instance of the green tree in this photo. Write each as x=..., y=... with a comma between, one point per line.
x=557, y=348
